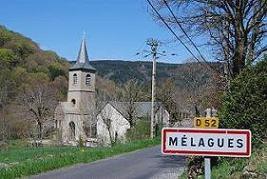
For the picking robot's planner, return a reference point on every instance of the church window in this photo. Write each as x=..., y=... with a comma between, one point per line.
x=73, y=101
x=88, y=80
x=75, y=78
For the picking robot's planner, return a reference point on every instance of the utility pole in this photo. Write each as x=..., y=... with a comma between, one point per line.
x=153, y=46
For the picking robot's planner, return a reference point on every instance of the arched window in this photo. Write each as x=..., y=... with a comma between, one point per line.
x=73, y=101
x=72, y=130
x=88, y=80
x=75, y=79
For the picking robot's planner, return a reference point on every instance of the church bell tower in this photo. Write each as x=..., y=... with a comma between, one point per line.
x=81, y=92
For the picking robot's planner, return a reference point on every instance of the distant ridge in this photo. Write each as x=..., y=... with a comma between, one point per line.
x=121, y=71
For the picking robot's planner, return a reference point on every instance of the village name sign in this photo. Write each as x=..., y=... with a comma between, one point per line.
x=206, y=142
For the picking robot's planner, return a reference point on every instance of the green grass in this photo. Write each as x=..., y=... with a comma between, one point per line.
x=233, y=167
x=27, y=161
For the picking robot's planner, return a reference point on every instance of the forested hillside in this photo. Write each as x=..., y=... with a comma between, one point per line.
x=121, y=71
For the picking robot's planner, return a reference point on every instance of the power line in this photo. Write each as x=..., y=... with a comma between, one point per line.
x=183, y=30
x=179, y=24
x=176, y=36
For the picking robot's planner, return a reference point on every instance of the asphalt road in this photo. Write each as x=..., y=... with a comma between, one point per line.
x=142, y=164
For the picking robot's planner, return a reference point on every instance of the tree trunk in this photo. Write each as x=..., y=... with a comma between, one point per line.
x=40, y=129
x=239, y=59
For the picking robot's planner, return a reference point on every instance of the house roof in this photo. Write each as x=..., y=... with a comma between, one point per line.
x=141, y=109
x=82, y=62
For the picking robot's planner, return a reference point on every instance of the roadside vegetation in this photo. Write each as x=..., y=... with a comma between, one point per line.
x=243, y=107
x=230, y=168
x=24, y=161
x=253, y=167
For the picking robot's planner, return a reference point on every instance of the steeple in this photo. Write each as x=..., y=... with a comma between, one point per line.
x=82, y=62
x=83, y=56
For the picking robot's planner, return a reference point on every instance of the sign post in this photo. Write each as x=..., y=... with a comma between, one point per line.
x=206, y=142
x=207, y=168
x=207, y=159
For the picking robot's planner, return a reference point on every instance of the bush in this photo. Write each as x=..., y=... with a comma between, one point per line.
x=245, y=105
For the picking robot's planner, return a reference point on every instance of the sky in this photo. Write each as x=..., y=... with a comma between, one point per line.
x=115, y=29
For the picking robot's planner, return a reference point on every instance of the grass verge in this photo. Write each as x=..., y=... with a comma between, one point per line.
x=29, y=161
x=232, y=168
x=253, y=167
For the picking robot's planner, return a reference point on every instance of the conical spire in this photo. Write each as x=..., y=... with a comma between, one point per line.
x=83, y=56
x=82, y=62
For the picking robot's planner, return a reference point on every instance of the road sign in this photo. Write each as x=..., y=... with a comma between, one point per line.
x=206, y=122
x=206, y=142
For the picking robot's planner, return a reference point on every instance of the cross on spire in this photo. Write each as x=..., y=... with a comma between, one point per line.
x=82, y=62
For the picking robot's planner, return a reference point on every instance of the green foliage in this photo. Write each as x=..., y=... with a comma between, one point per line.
x=234, y=167
x=55, y=70
x=7, y=57
x=244, y=107
x=140, y=131
x=23, y=65
x=5, y=36
x=28, y=161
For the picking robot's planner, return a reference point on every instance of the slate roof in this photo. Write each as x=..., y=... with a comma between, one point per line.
x=142, y=109
x=82, y=62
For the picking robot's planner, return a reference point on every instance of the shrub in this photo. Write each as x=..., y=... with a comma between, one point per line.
x=245, y=105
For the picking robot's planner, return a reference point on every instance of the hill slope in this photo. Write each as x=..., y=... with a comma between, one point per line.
x=183, y=74
x=121, y=71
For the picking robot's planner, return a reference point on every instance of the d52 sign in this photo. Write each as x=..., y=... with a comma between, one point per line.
x=206, y=142
x=206, y=122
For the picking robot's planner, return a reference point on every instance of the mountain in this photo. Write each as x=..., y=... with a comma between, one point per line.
x=19, y=53
x=121, y=71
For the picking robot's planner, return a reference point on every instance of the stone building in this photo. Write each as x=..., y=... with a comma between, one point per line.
x=112, y=120
x=76, y=118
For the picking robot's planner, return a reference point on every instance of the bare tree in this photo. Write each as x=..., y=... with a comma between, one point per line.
x=39, y=102
x=203, y=86
x=131, y=93
x=167, y=95
x=5, y=96
x=236, y=28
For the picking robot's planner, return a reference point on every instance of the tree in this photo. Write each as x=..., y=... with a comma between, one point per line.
x=39, y=100
x=7, y=58
x=244, y=107
x=6, y=86
x=235, y=28
x=167, y=95
x=131, y=93
x=203, y=86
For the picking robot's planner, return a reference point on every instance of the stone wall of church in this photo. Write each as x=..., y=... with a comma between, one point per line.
x=78, y=121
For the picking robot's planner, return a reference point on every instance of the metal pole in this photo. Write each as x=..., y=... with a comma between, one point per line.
x=207, y=160
x=207, y=168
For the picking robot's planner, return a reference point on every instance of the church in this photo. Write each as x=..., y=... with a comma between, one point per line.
x=76, y=118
